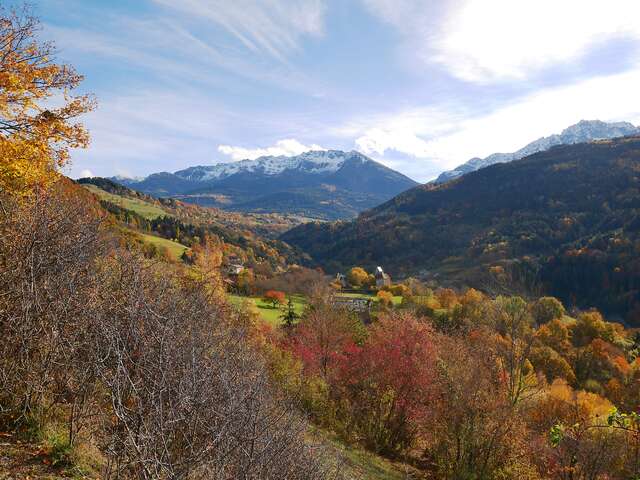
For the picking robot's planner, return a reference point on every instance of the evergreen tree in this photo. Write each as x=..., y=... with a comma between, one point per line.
x=289, y=315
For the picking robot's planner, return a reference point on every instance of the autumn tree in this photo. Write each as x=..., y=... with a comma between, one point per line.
x=274, y=297
x=549, y=362
x=589, y=326
x=447, y=297
x=323, y=335
x=357, y=277
x=207, y=262
x=546, y=309
x=475, y=431
x=386, y=385
x=36, y=133
x=556, y=335
x=512, y=320
x=400, y=290
x=385, y=298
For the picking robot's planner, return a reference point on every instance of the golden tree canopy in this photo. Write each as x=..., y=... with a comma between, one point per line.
x=37, y=109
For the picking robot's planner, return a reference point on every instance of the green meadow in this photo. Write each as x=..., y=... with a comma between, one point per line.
x=175, y=249
x=267, y=312
x=142, y=208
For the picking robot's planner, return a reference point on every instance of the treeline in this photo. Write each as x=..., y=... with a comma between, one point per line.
x=465, y=386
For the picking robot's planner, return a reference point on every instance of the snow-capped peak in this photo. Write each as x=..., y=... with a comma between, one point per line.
x=314, y=161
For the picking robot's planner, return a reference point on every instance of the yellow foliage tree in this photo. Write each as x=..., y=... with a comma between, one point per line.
x=37, y=109
x=357, y=277
x=206, y=268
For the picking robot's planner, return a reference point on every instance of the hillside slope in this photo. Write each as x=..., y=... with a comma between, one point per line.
x=176, y=226
x=565, y=221
x=320, y=184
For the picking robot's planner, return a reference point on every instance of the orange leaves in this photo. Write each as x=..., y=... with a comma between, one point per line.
x=386, y=298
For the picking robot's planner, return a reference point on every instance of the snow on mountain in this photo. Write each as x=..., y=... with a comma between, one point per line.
x=315, y=161
x=583, y=131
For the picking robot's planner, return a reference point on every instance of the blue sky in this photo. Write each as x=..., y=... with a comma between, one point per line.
x=421, y=86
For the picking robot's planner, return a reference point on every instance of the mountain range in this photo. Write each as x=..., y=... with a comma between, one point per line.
x=329, y=184
x=565, y=222
x=583, y=131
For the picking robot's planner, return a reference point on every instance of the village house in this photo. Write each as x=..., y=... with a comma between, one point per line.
x=234, y=269
x=382, y=279
x=341, y=279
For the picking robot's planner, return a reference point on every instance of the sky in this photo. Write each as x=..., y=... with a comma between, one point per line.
x=419, y=85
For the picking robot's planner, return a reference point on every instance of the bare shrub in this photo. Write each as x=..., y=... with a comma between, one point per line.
x=190, y=399
x=48, y=244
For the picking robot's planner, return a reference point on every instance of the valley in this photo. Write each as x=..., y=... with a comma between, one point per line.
x=305, y=289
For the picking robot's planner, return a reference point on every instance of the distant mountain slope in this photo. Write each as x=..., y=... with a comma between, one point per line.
x=565, y=221
x=320, y=184
x=249, y=235
x=583, y=131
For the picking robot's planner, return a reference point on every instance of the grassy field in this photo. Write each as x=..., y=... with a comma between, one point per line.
x=397, y=300
x=175, y=249
x=267, y=312
x=145, y=209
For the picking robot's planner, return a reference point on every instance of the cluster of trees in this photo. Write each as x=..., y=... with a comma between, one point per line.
x=144, y=361
x=359, y=279
x=141, y=363
x=295, y=280
x=467, y=386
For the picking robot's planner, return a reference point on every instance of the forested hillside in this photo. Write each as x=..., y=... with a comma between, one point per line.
x=565, y=222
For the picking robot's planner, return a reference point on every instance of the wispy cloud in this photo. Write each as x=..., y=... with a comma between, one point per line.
x=288, y=147
x=273, y=26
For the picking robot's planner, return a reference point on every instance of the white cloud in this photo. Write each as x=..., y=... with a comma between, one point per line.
x=274, y=27
x=448, y=138
x=86, y=173
x=123, y=173
x=407, y=132
x=494, y=40
x=288, y=147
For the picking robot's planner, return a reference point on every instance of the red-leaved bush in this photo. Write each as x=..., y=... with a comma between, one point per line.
x=386, y=384
x=379, y=387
